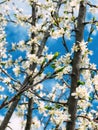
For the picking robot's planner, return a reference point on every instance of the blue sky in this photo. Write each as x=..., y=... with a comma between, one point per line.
x=17, y=33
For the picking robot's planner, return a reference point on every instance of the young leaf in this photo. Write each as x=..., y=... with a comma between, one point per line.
x=56, y=55
x=49, y=108
x=80, y=82
x=53, y=66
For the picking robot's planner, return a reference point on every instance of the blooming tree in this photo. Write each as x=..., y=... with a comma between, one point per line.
x=27, y=64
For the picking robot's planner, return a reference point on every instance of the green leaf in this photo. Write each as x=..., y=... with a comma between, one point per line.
x=61, y=69
x=73, y=18
x=44, y=61
x=80, y=82
x=90, y=98
x=65, y=29
x=56, y=55
x=49, y=108
x=55, y=23
x=53, y=66
x=90, y=39
x=58, y=106
x=94, y=18
x=3, y=63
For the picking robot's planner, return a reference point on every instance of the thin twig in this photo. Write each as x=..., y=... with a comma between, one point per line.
x=3, y=2
x=10, y=76
x=91, y=5
x=64, y=43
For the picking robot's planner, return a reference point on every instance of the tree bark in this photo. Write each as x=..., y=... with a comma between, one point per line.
x=8, y=115
x=32, y=68
x=72, y=102
x=29, y=115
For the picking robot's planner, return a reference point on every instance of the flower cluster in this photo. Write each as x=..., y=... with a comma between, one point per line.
x=27, y=65
x=81, y=92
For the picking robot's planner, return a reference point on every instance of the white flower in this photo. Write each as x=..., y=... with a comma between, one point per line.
x=74, y=3
x=21, y=43
x=57, y=33
x=32, y=58
x=40, y=60
x=93, y=10
x=10, y=88
x=36, y=122
x=83, y=104
x=1, y=88
x=75, y=48
x=95, y=81
x=81, y=92
x=7, y=80
x=83, y=45
x=16, y=70
x=39, y=87
x=34, y=40
x=2, y=96
x=66, y=59
x=93, y=66
x=22, y=46
x=49, y=56
x=41, y=107
x=13, y=46
x=59, y=116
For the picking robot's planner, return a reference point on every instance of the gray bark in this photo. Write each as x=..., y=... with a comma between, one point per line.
x=29, y=115
x=32, y=67
x=8, y=115
x=72, y=102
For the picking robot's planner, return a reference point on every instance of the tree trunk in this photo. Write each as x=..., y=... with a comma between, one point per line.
x=32, y=68
x=8, y=115
x=72, y=102
x=29, y=115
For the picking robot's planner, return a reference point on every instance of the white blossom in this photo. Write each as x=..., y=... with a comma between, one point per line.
x=16, y=70
x=81, y=92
